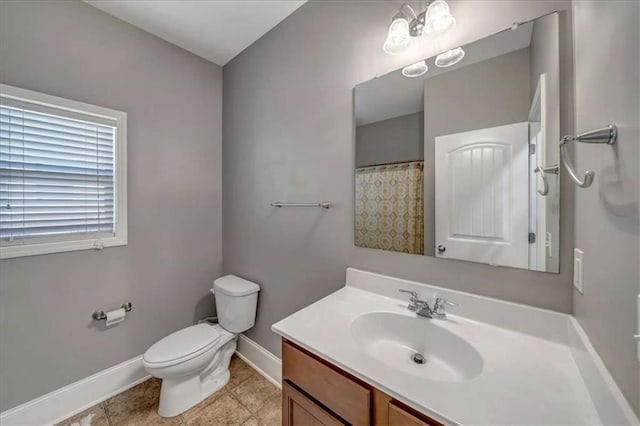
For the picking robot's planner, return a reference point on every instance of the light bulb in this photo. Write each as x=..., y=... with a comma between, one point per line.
x=450, y=57
x=415, y=70
x=438, y=19
x=398, y=38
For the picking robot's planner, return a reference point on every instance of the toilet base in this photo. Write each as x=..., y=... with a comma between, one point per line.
x=180, y=394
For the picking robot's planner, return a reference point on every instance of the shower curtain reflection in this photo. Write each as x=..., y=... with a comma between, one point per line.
x=390, y=207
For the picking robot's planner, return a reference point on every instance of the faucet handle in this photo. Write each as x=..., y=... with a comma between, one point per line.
x=440, y=301
x=438, y=307
x=414, y=295
x=415, y=304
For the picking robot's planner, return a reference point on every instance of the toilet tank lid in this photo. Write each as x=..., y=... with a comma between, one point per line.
x=235, y=286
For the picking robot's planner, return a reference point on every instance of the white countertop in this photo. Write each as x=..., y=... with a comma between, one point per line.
x=526, y=379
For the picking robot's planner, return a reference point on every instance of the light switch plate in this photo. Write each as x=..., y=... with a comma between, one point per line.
x=578, y=277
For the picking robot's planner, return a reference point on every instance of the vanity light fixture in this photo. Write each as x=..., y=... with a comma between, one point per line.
x=432, y=22
x=415, y=70
x=438, y=19
x=450, y=57
x=398, y=38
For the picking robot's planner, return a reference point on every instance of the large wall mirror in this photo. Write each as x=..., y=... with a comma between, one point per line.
x=461, y=162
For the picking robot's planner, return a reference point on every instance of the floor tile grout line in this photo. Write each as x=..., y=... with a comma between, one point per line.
x=222, y=393
x=266, y=401
x=254, y=414
x=244, y=380
x=233, y=399
x=103, y=405
x=229, y=392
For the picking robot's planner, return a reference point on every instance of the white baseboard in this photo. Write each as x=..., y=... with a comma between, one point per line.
x=263, y=361
x=77, y=397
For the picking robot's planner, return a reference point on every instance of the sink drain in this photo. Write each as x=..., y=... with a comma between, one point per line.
x=418, y=358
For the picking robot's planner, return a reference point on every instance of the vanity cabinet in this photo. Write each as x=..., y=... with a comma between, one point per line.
x=316, y=392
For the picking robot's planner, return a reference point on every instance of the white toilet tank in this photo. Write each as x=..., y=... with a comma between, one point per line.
x=236, y=302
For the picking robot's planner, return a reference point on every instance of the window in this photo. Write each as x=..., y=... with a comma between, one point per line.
x=62, y=175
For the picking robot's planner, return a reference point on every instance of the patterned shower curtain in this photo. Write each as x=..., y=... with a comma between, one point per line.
x=390, y=207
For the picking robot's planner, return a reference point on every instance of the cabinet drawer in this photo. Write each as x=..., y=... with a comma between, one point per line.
x=388, y=412
x=343, y=395
x=298, y=410
x=398, y=416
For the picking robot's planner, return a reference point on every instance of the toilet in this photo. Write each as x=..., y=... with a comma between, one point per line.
x=193, y=363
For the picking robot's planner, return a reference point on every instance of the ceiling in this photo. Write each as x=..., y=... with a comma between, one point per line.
x=216, y=30
x=394, y=95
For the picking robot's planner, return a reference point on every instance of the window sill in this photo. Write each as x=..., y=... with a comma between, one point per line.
x=9, y=252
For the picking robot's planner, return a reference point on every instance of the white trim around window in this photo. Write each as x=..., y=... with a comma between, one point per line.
x=48, y=104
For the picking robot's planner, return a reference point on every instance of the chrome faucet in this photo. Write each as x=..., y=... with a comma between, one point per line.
x=421, y=307
x=439, y=308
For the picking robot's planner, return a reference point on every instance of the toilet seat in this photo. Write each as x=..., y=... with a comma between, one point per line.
x=186, y=344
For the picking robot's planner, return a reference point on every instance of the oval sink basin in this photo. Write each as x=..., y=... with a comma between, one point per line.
x=395, y=339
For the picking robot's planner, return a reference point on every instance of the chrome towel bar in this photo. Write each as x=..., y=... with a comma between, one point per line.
x=324, y=204
x=605, y=135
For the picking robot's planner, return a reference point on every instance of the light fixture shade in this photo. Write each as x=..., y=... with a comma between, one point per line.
x=438, y=19
x=415, y=70
x=398, y=39
x=450, y=57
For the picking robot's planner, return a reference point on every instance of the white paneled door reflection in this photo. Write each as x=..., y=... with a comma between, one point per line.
x=482, y=188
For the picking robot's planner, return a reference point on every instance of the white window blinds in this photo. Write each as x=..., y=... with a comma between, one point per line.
x=57, y=175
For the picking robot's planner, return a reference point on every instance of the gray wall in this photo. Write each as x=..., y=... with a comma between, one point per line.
x=607, y=213
x=289, y=135
x=394, y=140
x=174, y=106
x=456, y=102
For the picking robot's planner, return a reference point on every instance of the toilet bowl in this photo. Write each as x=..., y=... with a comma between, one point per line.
x=193, y=363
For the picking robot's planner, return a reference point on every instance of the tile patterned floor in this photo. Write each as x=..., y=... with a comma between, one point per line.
x=248, y=400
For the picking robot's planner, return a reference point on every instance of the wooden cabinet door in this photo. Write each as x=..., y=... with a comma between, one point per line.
x=298, y=410
x=400, y=417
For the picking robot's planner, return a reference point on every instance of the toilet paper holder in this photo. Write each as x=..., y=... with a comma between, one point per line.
x=100, y=315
